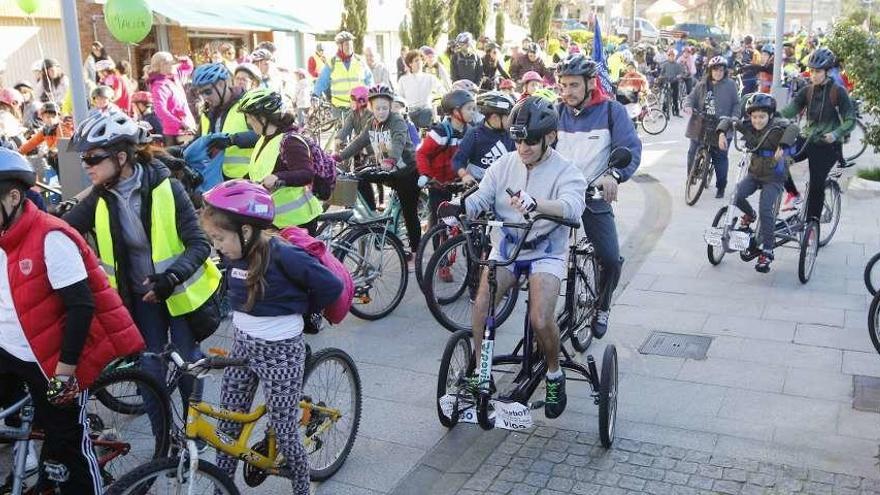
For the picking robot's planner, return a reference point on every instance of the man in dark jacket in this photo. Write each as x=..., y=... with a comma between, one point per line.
x=465, y=64
x=529, y=61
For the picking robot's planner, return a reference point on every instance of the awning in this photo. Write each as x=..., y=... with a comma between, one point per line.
x=227, y=16
x=15, y=37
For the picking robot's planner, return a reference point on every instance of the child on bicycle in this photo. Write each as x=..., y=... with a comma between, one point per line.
x=482, y=145
x=272, y=284
x=773, y=136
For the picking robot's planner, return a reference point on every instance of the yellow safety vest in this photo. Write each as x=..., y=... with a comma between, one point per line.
x=235, y=159
x=293, y=205
x=166, y=247
x=343, y=80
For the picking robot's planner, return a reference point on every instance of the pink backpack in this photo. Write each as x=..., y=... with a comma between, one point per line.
x=336, y=311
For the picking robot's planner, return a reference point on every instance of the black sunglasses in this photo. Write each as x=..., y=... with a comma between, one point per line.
x=528, y=141
x=93, y=160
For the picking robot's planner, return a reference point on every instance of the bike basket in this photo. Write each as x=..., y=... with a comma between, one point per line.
x=345, y=192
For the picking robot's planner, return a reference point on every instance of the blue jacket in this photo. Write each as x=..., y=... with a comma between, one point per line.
x=295, y=283
x=480, y=147
x=586, y=139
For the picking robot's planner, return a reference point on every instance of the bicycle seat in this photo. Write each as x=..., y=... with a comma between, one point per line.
x=336, y=216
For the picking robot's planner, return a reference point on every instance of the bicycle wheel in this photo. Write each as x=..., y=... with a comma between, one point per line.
x=160, y=476
x=123, y=441
x=436, y=234
x=608, y=397
x=830, y=217
x=452, y=303
x=696, y=180
x=654, y=122
x=377, y=263
x=716, y=253
x=583, y=303
x=855, y=144
x=874, y=321
x=123, y=405
x=331, y=380
x=872, y=274
x=456, y=363
x=809, y=250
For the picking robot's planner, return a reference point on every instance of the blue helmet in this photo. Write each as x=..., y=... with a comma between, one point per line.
x=209, y=74
x=13, y=166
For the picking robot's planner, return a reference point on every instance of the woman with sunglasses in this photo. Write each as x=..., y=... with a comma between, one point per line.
x=544, y=182
x=148, y=238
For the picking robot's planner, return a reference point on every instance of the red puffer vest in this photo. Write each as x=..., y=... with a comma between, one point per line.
x=41, y=310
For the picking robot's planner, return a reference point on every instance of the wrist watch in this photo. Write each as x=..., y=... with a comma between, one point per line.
x=615, y=174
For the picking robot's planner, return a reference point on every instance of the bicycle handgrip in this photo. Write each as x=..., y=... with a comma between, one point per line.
x=219, y=362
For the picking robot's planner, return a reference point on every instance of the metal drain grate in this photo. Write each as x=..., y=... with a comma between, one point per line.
x=676, y=345
x=867, y=393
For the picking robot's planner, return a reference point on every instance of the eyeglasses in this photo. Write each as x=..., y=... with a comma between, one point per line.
x=528, y=141
x=92, y=160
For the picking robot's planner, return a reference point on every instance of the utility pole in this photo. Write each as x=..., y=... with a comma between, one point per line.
x=77, y=80
x=632, y=26
x=812, y=14
x=777, y=89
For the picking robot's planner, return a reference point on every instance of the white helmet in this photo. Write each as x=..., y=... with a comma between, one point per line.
x=104, y=65
x=101, y=130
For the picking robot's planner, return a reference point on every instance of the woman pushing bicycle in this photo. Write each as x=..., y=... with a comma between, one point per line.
x=272, y=284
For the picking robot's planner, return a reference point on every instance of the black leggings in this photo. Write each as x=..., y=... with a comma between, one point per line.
x=821, y=157
x=407, y=188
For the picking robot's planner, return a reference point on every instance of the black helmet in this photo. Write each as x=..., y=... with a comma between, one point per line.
x=532, y=47
x=577, y=65
x=495, y=102
x=822, y=58
x=261, y=101
x=456, y=98
x=761, y=101
x=533, y=118
x=380, y=91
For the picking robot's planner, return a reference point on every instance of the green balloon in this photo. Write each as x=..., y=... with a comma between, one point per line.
x=29, y=6
x=129, y=21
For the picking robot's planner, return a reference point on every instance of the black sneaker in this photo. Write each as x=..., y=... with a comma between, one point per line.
x=764, y=261
x=600, y=323
x=554, y=400
x=719, y=194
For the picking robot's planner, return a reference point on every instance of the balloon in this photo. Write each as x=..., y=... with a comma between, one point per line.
x=129, y=21
x=29, y=6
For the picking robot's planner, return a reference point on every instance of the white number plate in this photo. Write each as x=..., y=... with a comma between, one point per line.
x=739, y=241
x=713, y=236
x=507, y=415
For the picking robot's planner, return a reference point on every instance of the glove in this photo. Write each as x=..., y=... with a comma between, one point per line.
x=62, y=390
x=65, y=206
x=49, y=130
x=219, y=140
x=388, y=164
x=527, y=202
x=163, y=284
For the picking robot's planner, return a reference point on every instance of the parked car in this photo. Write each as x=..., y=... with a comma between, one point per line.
x=645, y=31
x=571, y=25
x=702, y=31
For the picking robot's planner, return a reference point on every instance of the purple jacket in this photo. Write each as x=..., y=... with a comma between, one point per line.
x=169, y=103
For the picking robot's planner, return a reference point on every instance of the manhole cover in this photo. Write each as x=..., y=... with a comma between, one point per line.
x=676, y=345
x=867, y=393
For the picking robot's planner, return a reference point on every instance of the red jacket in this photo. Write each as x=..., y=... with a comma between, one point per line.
x=41, y=311
x=434, y=156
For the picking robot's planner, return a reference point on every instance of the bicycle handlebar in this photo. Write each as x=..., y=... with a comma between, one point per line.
x=525, y=226
x=206, y=363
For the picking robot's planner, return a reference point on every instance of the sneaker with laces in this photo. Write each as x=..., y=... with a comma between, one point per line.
x=555, y=399
x=600, y=323
x=445, y=274
x=764, y=260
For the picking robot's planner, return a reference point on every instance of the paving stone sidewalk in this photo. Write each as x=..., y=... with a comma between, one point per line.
x=551, y=461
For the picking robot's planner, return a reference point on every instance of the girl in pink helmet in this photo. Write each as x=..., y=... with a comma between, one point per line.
x=272, y=284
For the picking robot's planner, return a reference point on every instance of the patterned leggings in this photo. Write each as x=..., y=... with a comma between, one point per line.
x=279, y=365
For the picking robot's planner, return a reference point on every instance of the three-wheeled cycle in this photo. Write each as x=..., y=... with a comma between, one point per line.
x=728, y=235
x=460, y=399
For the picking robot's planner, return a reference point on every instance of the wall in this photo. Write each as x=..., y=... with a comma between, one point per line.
x=50, y=35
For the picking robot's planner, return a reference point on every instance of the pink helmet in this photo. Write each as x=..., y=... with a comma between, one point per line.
x=11, y=97
x=142, y=97
x=531, y=76
x=247, y=202
x=360, y=94
x=505, y=84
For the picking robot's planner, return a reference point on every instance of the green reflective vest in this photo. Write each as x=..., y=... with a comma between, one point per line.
x=293, y=205
x=235, y=159
x=166, y=247
x=343, y=80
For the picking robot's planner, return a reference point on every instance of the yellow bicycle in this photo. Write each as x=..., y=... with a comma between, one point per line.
x=330, y=415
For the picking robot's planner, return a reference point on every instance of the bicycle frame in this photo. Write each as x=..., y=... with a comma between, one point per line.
x=20, y=437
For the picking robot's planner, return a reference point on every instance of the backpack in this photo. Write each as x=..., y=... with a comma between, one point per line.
x=325, y=168
x=336, y=311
